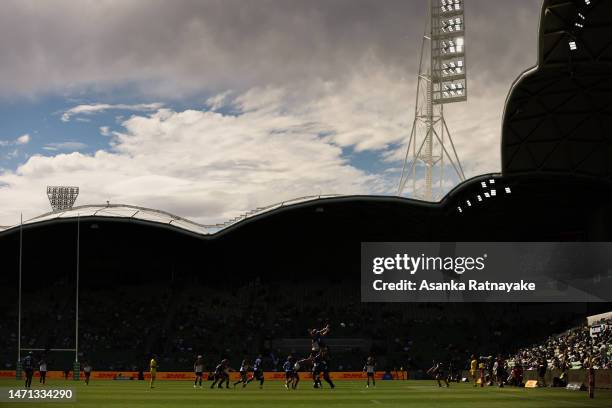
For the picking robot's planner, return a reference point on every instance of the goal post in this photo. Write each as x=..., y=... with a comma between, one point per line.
x=75, y=362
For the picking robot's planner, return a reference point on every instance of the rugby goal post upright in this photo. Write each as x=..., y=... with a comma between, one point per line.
x=76, y=369
x=441, y=80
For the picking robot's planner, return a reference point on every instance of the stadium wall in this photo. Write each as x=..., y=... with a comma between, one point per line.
x=187, y=375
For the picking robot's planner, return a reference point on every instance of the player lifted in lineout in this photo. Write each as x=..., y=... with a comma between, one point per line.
x=244, y=371
x=152, y=370
x=316, y=337
x=198, y=369
x=258, y=373
x=370, y=370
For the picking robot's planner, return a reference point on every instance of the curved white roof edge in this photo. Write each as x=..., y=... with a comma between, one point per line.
x=126, y=211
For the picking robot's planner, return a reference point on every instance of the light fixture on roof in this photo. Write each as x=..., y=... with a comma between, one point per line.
x=573, y=46
x=460, y=209
x=493, y=193
x=508, y=190
x=479, y=197
x=62, y=197
x=483, y=184
x=492, y=181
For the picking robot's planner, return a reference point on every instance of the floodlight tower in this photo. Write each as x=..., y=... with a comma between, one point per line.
x=62, y=197
x=442, y=80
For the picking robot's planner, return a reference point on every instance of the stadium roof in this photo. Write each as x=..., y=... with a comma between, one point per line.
x=131, y=212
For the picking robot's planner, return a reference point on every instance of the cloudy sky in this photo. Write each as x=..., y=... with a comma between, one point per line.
x=209, y=108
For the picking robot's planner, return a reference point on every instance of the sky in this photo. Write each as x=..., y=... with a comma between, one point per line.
x=210, y=108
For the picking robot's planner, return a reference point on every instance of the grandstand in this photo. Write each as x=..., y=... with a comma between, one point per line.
x=154, y=282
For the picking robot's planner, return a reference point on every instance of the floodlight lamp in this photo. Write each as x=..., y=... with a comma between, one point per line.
x=508, y=190
x=62, y=197
x=573, y=46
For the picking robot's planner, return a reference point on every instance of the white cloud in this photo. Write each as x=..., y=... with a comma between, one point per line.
x=218, y=101
x=198, y=164
x=105, y=130
x=23, y=139
x=68, y=145
x=103, y=107
x=279, y=143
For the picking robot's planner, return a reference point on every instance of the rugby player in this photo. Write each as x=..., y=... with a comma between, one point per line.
x=474, y=369
x=258, y=373
x=437, y=372
x=153, y=370
x=28, y=368
x=316, y=337
x=370, y=370
x=87, y=371
x=198, y=369
x=42, y=369
x=288, y=367
x=244, y=370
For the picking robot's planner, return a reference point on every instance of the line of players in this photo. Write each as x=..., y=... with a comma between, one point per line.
x=28, y=364
x=483, y=370
x=317, y=360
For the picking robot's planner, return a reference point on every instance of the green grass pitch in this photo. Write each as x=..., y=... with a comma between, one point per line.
x=414, y=394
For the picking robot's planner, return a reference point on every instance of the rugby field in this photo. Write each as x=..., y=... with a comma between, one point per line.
x=414, y=394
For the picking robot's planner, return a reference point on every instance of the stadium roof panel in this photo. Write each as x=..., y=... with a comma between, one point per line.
x=124, y=211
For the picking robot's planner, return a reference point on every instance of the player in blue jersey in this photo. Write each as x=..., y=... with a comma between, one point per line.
x=290, y=373
x=28, y=368
x=258, y=373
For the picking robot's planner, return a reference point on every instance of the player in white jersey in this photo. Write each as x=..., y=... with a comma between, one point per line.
x=42, y=369
x=87, y=370
x=198, y=369
x=370, y=370
x=244, y=370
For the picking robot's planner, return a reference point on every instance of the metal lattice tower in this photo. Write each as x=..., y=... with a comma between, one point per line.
x=442, y=80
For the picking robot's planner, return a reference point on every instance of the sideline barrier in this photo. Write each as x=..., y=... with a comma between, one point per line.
x=603, y=378
x=189, y=376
